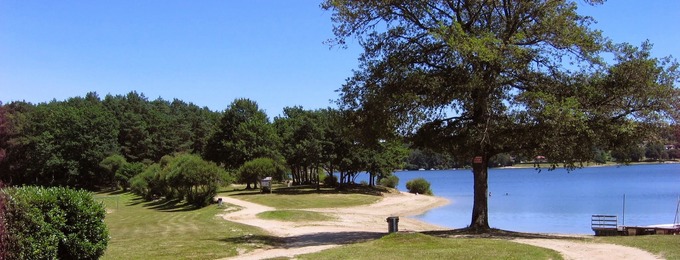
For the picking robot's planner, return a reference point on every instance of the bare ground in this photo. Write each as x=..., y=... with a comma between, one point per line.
x=364, y=223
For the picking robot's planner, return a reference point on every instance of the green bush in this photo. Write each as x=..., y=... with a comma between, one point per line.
x=419, y=186
x=54, y=223
x=3, y=226
x=390, y=181
x=330, y=181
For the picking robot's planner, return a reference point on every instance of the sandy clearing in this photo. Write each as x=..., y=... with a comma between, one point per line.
x=364, y=223
x=352, y=224
x=587, y=250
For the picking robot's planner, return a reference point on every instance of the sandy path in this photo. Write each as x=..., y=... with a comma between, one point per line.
x=353, y=224
x=364, y=223
x=587, y=250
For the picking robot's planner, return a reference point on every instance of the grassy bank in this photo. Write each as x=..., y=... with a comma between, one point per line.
x=159, y=230
x=420, y=246
x=665, y=246
x=307, y=197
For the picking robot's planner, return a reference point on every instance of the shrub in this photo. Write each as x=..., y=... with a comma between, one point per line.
x=4, y=249
x=330, y=181
x=419, y=186
x=54, y=223
x=390, y=181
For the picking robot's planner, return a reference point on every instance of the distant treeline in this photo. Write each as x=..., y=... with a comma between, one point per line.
x=65, y=143
x=73, y=142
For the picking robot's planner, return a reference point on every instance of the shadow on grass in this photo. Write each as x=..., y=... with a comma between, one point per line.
x=493, y=233
x=316, y=239
x=172, y=205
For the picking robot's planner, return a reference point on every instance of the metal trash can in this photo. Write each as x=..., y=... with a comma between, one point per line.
x=393, y=224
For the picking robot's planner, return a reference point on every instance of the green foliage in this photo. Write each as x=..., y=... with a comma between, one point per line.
x=255, y=170
x=501, y=160
x=111, y=165
x=419, y=186
x=62, y=143
x=480, y=79
x=51, y=223
x=126, y=172
x=4, y=234
x=243, y=134
x=390, y=181
x=184, y=176
x=330, y=181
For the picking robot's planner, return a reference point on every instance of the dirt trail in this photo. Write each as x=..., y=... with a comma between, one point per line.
x=368, y=222
x=352, y=224
x=588, y=250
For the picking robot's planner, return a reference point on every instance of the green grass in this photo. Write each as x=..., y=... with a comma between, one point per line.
x=420, y=246
x=294, y=216
x=306, y=197
x=158, y=230
x=667, y=246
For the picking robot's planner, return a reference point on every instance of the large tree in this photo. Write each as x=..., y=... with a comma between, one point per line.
x=243, y=134
x=480, y=78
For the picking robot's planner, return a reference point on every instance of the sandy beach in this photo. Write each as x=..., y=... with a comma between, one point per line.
x=363, y=223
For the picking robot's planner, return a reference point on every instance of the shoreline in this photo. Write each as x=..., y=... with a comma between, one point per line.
x=349, y=225
x=368, y=222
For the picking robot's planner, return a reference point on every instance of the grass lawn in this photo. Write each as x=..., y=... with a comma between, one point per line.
x=294, y=216
x=420, y=246
x=156, y=230
x=305, y=197
x=666, y=246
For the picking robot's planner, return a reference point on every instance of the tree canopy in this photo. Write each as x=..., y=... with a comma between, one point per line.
x=481, y=78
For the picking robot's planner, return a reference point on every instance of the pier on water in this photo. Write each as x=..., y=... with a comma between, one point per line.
x=607, y=225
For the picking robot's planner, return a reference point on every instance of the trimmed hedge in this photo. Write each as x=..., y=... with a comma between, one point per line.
x=53, y=223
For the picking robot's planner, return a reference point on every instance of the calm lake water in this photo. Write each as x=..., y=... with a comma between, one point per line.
x=557, y=201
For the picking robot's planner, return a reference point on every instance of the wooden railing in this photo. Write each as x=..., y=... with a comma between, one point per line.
x=604, y=225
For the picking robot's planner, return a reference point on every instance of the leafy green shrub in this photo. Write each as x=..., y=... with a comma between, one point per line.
x=54, y=223
x=3, y=226
x=126, y=172
x=330, y=181
x=390, y=181
x=419, y=186
x=194, y=179
x=256, y=169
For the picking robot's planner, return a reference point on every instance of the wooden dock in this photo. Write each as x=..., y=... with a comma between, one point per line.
x=607, y=225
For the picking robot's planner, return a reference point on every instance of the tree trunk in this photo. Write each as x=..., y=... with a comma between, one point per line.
x=480, y=208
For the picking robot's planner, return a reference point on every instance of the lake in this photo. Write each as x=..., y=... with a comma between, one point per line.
x=557, y=201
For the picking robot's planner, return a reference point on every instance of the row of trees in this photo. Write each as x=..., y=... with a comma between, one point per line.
x=91, y=143
x=61, y=143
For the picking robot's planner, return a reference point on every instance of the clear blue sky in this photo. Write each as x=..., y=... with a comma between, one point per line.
x=211, y=52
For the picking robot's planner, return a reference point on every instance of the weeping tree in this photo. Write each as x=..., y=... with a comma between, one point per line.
x=476, y=79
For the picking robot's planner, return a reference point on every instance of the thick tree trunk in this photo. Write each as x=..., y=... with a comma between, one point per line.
x=480, y=208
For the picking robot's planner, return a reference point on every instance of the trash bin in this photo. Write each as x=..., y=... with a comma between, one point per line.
x=393, y=224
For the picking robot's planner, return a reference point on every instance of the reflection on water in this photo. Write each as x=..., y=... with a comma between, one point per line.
x=557, y=201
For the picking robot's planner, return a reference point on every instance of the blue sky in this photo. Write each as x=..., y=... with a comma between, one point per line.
x=211, y=52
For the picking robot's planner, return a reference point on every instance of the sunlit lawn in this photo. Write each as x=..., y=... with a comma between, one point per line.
x=667, y=246
x=420, y=246
x=302, y=198
x=148, y=230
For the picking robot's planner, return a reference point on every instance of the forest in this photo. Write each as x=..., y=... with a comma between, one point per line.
x=93, y=143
